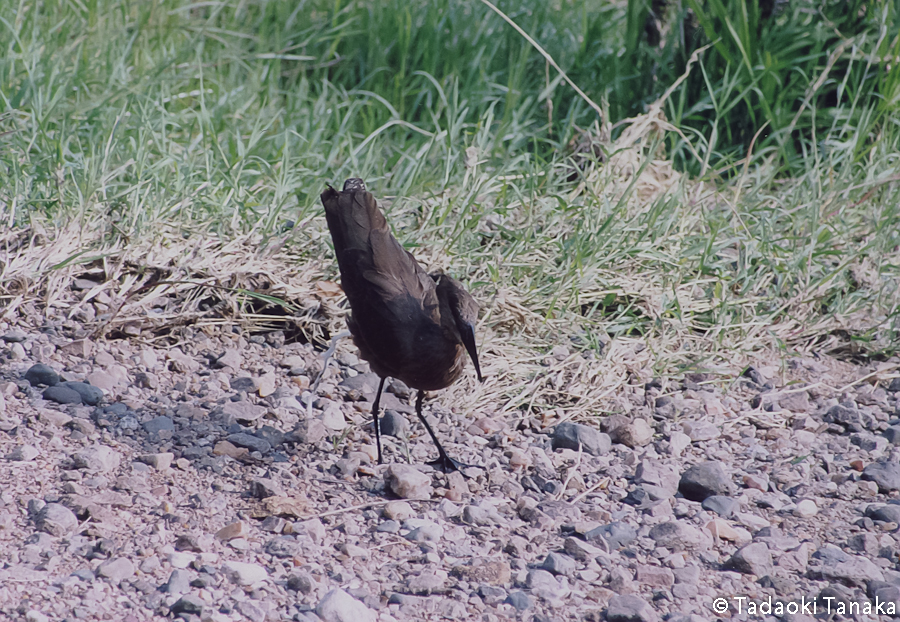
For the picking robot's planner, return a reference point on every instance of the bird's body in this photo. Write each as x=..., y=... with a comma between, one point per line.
x=407, y=324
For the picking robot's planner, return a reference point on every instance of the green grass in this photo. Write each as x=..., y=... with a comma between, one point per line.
x=152, y=120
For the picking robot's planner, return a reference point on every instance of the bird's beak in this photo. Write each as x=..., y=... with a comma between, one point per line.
x=468, y=339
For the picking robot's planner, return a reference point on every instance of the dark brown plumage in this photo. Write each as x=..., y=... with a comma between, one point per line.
x=407, y=324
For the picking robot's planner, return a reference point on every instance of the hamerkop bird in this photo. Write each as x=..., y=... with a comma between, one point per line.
x=407, y=324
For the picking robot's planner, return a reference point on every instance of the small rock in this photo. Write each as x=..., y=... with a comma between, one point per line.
x=338, y=606
x=14, y=336
x=559, y=564
x=264, y=487
x=159, y=461
x=41, y=374
x=616, y=534
x=889, y=513
x=654, y=576
x=23, y=453
x=89, y=394
x=495, y=572
x=629, y=608
x=806, y=509
x=188, y=604
x=242, y=412
x=429, y=581
x=700, y=431
x=117, y=569
x=886, y=475
x=704, y=480
x=244, y=383
x=56, y=519
x=251, y=442
x=754, y=559
x=34, y=615
x=723, y=506
x=407, y=482
x=243, y=573
x=237, y=529
x=519, y=600
x=179, y=582
x=61, y=395
x=300, y=582
x=679, y=536
x=423, y=530
x=400, y=511
x=570, y=435
x=158, y=424
x=638, y=433
x=97, y=458
x=394, y=424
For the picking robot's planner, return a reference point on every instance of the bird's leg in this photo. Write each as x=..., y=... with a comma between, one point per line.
x=375, y=407
x=444, y=462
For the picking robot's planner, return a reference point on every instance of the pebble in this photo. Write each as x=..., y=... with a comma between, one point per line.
x=158, y=424
x=160, y=461
x=559, y=564
x=617, y=535
x=187, y=604
x=885, y=475
x=56, y=519
x=97, y=458
x=89, y=394
x=407, y=482
x=61, y=395
x=249, y=441
x=629, y=608
x=117, y=569
x=244, y=573
x=723, y=506
x=394, y=424
x=179, y=582
x=572, y=435
x=520, y=601
x=398, y=511
x=41, y=374
x=806, y=509
x=679, y=536
x=23, y=453
x=704, y=480
x=338, y=606
x=754, y=559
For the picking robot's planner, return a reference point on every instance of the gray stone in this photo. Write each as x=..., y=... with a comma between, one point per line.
x=558, y=563
x=244, y=573
x=886, y=475
x=679, y=536
x=300, y=582
x=616, y=534
x=14, y=336
x=892, y=434
x=582, y=551
x=394, y=424
x=889, y=513
x=23, y=453
x=158, y=424
x=56, y=519
x=242, y=411
x=519, y=600
x=422, y=530
x=264, y=487
x=407, y=482
x=544, y=585
x=338, y=606
x=244, y=383
x=61, y=395
x=179, y=582
x=570, y=435
x=188, y=604
x=251, y=442
x=97, y=458
x=89, y=394
x=475, y=515
x=251, y=610
x=429, y=581
x=721, y=505
x=41, y=374
x=629, y=608
x=283, y=547
x=830, y=563
x=659, y=480
x=754, y=558
x=704, y=480
x=117, y=569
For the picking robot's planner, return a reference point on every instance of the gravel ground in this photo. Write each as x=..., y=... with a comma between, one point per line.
x=204, y=481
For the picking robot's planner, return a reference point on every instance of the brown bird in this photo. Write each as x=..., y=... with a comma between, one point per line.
x=407, y=324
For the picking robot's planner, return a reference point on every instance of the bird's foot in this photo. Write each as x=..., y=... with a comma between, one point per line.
x=447, y=464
